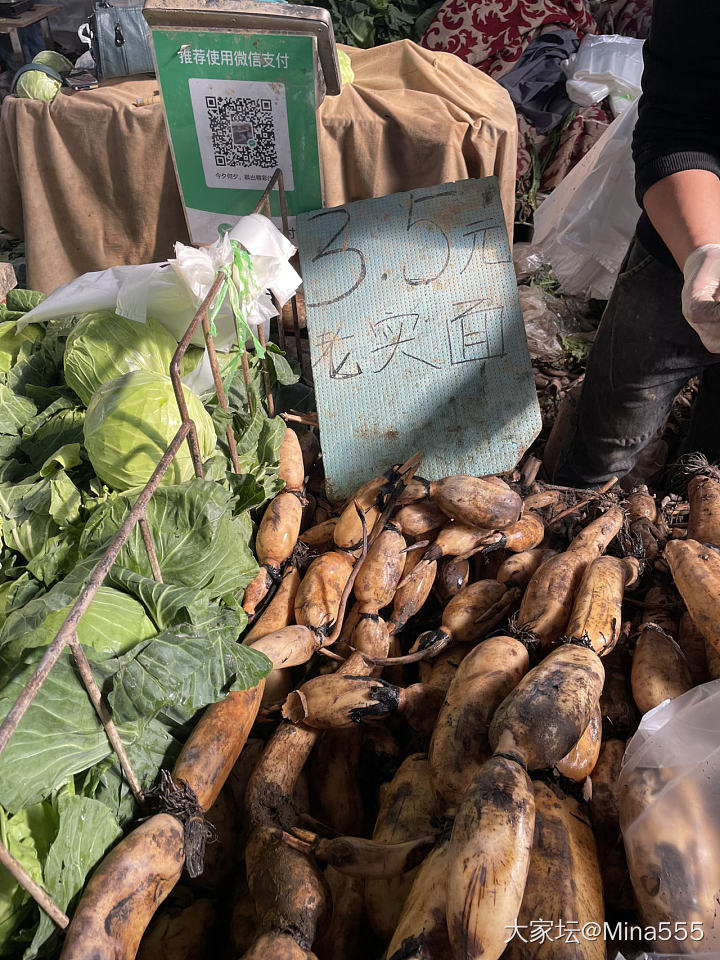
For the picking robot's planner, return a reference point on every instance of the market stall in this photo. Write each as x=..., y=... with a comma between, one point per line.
x=88, y=179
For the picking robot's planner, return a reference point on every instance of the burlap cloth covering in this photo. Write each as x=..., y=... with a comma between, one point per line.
x=88, y=180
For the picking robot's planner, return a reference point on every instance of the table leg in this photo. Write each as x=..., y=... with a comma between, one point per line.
x=17, y=46
x=47, y=35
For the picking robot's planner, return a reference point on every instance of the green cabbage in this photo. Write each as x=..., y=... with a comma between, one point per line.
x=56, y=61
x=103, y=346
x=11, y=341
x=130, y=423
x=35, y=85
x=113, y=624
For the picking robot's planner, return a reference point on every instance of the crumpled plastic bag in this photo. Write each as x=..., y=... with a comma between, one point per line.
x=583, y=229
x=605, y=65
x=669, y=800
x=541, y=325
x=547, y=319
x=171, y=292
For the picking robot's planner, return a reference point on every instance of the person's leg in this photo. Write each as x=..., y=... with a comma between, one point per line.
x=7, y=57
x=32, y=40
x=703, y=434
x=643, y=355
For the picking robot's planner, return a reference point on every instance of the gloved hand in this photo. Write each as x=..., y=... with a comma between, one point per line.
x=701, y=294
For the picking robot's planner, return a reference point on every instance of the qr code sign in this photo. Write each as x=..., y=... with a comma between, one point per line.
x=242, y=131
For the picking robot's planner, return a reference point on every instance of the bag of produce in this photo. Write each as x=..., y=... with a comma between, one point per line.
x=669, y=795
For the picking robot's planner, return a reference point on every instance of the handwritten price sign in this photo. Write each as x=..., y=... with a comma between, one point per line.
x=416, y=334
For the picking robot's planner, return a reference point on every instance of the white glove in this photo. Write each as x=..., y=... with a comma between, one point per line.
x=701, y=294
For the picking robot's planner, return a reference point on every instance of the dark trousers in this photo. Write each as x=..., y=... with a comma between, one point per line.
x=644, y=354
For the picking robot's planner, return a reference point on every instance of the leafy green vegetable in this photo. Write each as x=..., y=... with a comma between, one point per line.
x=15, y=411
x=56, y=61
x=365, y=23
x=86, y=831
x=131, y=421
x=113, y=624
x=35, y=85
x=12, y=342
x=157, y=748
x=59, y=736
x=160, y=651
x=40, y=507
x=103, y=346
x=197, y=541
x=23, y=300
x=18, y=836
x=185, y=668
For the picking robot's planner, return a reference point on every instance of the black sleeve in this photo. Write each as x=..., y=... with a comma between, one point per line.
x=678, y=125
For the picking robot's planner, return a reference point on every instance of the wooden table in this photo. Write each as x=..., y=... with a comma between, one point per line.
x=39, y=14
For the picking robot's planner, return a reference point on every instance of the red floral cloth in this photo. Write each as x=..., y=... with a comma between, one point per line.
x=492, y=34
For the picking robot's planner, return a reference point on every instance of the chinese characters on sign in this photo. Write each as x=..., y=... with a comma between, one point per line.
x=232, y=58
x=473, y=329
x=416, y=335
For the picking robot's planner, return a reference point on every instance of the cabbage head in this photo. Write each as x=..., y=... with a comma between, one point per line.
x=103, y=346
x=56, y=61
x=112, y=624
x=130, y=423
x=35, y=85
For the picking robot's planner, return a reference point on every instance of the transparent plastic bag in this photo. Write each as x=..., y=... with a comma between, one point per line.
x=584, y=227
x=541, y=323
x=669, y=798
x=714, y=955
x=604, y=65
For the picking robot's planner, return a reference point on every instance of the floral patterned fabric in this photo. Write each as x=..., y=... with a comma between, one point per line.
x=492, y=34
x=586, y=127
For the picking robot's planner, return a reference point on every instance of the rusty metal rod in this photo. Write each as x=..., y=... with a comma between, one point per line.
x=38, y=893
x=150, y=549
x=105, y=718
x=247, y=379
x=19, y=708
x=266, y=374
x=217, y=380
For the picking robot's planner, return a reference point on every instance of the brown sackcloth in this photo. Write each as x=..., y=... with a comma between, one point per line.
x=88, y=181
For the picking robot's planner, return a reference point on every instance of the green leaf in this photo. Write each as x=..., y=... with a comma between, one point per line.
x=15, y=411
x=184, y=669
x=17, y=834
x=156, y=749
x=43, y=505
x=197, y=543
x=59, y=736
x=86, y=832
x=23, y=300
x=165, y=602
x=64, y=427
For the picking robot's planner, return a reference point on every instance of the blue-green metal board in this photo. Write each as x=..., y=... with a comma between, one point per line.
x=416, y=334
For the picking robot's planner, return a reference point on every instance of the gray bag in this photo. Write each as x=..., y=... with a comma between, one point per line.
x=120, y=42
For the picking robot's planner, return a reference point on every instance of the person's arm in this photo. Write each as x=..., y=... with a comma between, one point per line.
x=676, y=148
x=684, y=208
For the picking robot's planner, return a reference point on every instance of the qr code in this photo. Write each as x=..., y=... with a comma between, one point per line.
x=242, y=131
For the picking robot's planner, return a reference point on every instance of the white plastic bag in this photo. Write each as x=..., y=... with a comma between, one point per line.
x=669, y=798
x=603, y=66
x=172, y=292
x=584, y=227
